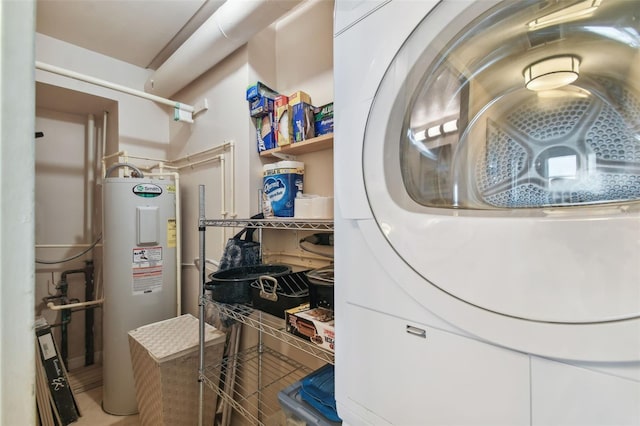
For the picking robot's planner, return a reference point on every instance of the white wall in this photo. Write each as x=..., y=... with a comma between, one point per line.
x=225, y=121
x=143, y=130
x=61, y=218
x=304, y=61
x=60, y=171
x=143, y=126
x=135, y=125
x=270, y=57
x=17, y=349
x=146, y=129
x=304, y=52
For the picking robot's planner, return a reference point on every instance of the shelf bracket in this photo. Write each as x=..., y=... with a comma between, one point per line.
x=186, y=113
x=282, y=156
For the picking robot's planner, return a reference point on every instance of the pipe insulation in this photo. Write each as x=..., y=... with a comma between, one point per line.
x=232, y=25
x=90, y=180
x=114, y=86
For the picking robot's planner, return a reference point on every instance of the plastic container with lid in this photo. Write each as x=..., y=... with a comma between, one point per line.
x=318, y=387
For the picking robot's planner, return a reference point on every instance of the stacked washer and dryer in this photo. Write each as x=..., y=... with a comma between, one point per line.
x=487, y=168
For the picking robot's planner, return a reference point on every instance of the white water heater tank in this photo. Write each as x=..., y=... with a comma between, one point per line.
x=139, y=255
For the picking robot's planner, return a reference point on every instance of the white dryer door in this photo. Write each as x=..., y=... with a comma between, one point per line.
x=502, y=157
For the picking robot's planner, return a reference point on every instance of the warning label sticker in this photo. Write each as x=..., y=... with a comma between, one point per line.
x=171, y=233
x=147, y=255
x=147, y=270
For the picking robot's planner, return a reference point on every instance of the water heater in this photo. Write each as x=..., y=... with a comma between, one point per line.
x=139, y=246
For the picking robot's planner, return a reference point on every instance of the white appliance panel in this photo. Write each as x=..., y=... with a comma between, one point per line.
x=353, y=55
x=446, y=379
x=569, y=395
x=373, y=275
x=349, y=13
x=496, y=284
x=369, y=286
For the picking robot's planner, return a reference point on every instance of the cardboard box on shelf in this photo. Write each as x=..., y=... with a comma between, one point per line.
x=303, y=124
x=263, y=112
x=262, y=109
x=283, y=120
x=299, y=97
x=315, y=325
x=323, y=118
x=301, y=116
x=261, y=106
x=266, y=132
x=259, y=89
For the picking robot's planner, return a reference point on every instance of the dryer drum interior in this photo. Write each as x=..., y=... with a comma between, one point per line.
x=479, y=134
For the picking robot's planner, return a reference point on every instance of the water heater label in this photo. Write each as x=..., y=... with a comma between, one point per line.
x=147, y=270
x=172, y=233
x=147, y=190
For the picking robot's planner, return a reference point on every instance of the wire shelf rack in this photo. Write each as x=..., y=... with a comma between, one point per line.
x=254, y=377
x=269, y=325
x=248, y=382
x=271, y=223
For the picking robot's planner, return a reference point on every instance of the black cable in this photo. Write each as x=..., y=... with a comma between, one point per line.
x=321, y=239
x=326, y=254
x=75, y=256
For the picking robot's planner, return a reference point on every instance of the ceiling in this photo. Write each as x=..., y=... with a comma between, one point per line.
x=140, y=32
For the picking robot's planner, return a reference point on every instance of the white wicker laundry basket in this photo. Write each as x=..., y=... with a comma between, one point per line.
x=165, y=358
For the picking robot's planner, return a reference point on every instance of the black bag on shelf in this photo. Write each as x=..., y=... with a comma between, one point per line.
x=241, y=251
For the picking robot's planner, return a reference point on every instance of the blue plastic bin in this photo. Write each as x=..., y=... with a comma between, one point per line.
x=316, y=387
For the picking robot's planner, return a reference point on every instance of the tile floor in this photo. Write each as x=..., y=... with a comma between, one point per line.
x=90, y=403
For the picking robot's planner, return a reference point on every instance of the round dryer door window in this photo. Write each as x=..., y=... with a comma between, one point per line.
x=502, y=157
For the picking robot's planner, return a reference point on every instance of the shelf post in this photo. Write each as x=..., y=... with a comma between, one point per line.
x=201, y=267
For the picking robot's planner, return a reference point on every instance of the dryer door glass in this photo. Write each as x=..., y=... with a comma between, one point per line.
x=532, y=104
